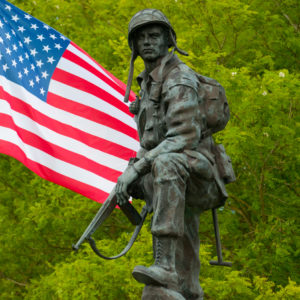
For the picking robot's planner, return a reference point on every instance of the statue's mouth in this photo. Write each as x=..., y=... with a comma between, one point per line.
x=148, y=50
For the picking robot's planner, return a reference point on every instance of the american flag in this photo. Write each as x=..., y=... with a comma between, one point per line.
x=61, y=113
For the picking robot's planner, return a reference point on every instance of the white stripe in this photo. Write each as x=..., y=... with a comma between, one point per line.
x=70, y=67
x=89, y=100
x=60, y=115
x=55, y=164
x=74, y=50
x=65, y=142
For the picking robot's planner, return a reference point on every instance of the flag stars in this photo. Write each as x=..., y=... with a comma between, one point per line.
x=21, y=28
x=5, y=67
x=15, y=18
x=33, y=52
x=7, y=7
x=58, y=46
x=8, y=36
x=8, y=51
x=39, y=63
x=27, y=40
x=46, y=48
x=29, y=50
x=51, y=60
x=34, y=26
x=45, y=74
x=40, y=37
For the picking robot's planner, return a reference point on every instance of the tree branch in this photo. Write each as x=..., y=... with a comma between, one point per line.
x=13, y=281
x=295, y=26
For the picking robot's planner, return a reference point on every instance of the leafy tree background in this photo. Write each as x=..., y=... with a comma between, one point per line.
x=252, y=48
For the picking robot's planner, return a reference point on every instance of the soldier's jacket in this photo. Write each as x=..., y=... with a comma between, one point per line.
x=169, y=117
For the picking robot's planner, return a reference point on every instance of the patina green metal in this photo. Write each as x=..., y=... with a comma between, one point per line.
x=179, y=171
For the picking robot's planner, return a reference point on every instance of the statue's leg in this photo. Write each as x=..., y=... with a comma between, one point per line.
x=202, y=193
x=187, y=257
x=170, y=174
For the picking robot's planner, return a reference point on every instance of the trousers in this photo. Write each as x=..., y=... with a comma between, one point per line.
x=177, y=189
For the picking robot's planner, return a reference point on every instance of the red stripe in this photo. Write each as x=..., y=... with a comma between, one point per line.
x=85, y=86
x=118, y=81
x=79, y=61
x=48, y=174
x=91, y=114
x=58, y=152
x=67, y=130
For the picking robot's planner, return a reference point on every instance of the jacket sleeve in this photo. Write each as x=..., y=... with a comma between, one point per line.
x=182, y=119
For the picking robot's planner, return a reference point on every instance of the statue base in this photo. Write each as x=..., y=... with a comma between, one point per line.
x=152, y=292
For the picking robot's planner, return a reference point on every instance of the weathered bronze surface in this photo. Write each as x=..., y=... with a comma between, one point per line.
x=179, y=171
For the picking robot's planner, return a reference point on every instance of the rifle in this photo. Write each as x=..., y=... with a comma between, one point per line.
x=136, y=219
x=103, y=213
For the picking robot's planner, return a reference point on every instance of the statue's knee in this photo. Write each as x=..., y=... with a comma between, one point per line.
x=160, y=165
x=169, y=166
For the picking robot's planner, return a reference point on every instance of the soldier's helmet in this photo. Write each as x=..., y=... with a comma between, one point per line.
x=142, y=18
x=146, y=17
x=151, y=16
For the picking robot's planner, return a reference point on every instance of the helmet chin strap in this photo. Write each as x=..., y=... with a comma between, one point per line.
x=130, y=75
x=173, y=40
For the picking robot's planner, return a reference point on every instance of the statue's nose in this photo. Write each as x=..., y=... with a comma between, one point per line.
x=146, y=40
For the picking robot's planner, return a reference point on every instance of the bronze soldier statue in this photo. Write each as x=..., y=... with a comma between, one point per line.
x=179, y=171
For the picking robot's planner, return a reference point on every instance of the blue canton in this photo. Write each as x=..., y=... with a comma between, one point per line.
x=29, y=50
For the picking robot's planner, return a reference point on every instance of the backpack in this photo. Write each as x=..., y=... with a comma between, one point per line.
x=213, y=104
x=215, y=116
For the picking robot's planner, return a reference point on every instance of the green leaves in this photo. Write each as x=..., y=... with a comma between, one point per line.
x=252, y=49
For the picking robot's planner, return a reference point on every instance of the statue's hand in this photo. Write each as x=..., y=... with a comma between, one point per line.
x=123, y=183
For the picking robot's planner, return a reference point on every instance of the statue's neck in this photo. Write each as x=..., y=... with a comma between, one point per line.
x=151, y=65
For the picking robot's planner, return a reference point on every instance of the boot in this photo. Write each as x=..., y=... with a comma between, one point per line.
x=162, y=272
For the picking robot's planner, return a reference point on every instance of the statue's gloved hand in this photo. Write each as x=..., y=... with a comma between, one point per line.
x=128, y=177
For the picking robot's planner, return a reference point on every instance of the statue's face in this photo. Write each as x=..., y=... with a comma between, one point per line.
x=151, y=42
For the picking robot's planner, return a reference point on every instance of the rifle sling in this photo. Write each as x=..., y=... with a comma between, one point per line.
x=130, y=243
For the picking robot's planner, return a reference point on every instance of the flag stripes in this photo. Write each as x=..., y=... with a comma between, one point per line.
x=82, y=136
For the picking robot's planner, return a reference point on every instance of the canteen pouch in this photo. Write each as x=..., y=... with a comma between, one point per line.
x=224, y=164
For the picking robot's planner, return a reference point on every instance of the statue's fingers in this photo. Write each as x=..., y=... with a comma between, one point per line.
x=124, y=191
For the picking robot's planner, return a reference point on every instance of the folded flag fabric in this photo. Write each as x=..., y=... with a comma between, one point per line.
x=61, y=113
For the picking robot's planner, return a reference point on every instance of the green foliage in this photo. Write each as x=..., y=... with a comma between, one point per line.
x=252, y=49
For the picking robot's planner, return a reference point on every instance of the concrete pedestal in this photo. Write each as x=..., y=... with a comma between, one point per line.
x=152, y=292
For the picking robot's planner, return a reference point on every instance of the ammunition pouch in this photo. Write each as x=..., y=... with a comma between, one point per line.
x=224, y=164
